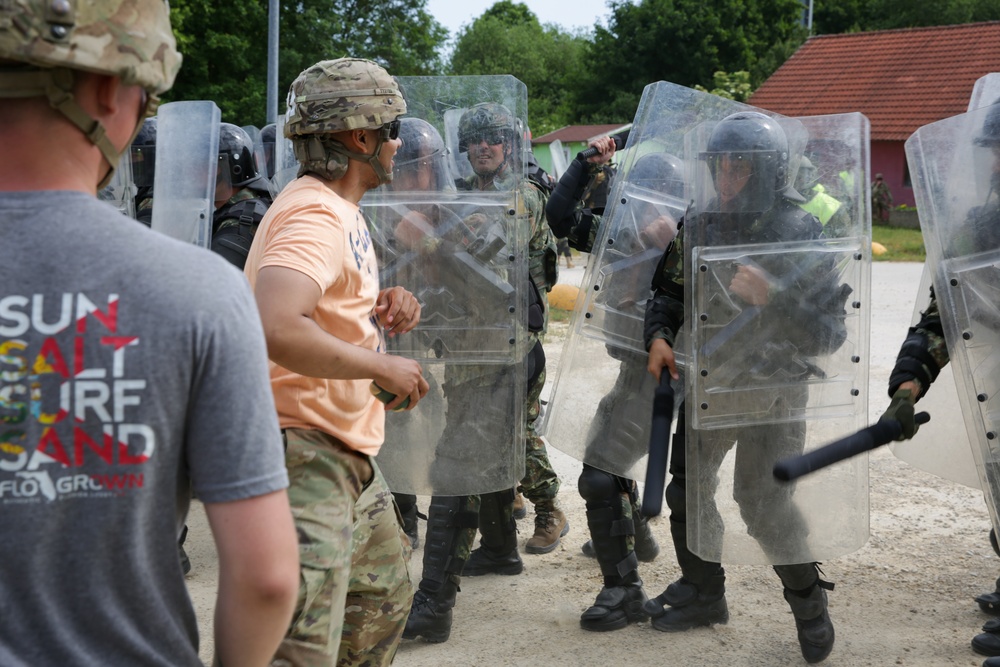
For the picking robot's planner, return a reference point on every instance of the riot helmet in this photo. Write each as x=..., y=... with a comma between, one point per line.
x=989, y=135
x=237, y=161
x=266, y=138
x=48, y=41
x=659, y=172
x=421, y=162
x=806, y=177
x=143, y=151
x=492, y=125
x=747, y=155
x=338, y=95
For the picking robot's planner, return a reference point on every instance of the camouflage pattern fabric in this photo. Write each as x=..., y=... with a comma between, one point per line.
x=355, y=591
x=937, y=347
x=881, y=200
x=540, y=481
x=127, y=38
x=243, y=194
x=342, y=94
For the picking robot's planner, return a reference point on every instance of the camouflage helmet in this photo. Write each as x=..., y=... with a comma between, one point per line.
x=49, y=39
x=342, y=94
x=486, y=119
x=131, y=39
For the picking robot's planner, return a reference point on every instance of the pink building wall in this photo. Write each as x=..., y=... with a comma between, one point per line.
x=889, y=159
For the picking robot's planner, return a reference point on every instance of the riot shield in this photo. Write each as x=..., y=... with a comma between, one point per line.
x=558, y=159
x=462, y=252
x=925, y=452
x=120, y=192
x=187, y=155
x=600, y=408
x=956, y=168
x=285, y=166
x=777, y=323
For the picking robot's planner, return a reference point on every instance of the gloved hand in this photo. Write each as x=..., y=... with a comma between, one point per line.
x=901, y=409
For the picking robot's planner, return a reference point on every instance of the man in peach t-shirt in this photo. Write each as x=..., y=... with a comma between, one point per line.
x=315, y=277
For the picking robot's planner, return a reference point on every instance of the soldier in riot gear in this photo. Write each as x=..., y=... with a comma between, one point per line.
x=925, y=350
x=620, y=534
x=143, y=153
x=747, y=157
x=487, y=134
x=241, y=195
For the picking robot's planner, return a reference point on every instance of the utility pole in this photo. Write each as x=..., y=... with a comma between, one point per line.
x=272, y=60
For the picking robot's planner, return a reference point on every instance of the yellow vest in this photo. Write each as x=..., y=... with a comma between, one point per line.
x=822, y=205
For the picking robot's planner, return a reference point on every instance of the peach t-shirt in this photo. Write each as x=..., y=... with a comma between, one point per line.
x=313, y=230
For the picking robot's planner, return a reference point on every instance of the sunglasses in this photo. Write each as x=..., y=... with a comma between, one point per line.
x=492, y=138
x=390, y=131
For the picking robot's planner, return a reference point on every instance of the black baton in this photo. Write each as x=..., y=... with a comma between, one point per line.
x=659, y=446
x=876, y=435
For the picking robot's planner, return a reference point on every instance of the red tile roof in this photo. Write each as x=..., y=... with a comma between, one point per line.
x=900, y=79
x=578, y=133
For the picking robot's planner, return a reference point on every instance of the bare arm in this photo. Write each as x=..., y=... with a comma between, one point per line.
x=286, y=299
x=258, y=577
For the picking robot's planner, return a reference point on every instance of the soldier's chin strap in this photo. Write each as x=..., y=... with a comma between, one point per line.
x=56, y=85
x=372, y=159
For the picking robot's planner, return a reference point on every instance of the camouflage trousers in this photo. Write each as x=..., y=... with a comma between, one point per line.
x=354, y=590
x=540, y=482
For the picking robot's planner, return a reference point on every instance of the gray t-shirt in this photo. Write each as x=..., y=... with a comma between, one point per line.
x=132, y=368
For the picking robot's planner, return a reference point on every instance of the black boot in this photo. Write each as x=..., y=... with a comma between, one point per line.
x=990, y=602
x=450, y=532
x=497, y=552
x=430, y=616
x=621, y=600
x=646, y=547
x=988, y=642
x=698, y=598
x=809, y=607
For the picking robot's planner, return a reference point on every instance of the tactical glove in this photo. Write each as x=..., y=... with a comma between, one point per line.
x=901, y=410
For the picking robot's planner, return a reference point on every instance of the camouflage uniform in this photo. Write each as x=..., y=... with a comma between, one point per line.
x=881, y=200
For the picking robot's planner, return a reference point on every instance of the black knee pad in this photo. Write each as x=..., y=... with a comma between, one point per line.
x=676, y=495
x=597, y=487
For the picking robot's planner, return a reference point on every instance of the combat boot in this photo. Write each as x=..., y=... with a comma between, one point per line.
x=615, y=607
x=430, y=616
x=990, y=602
x=497, y=552
x=809, y=607
x=520, y=511
x=685, y=605
x=550, y=525
x=988, y=642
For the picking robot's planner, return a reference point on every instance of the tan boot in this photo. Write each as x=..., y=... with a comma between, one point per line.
x=550, y=525
x=520, y=511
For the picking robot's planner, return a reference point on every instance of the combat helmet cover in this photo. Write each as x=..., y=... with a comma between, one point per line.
x=482, y=118
x=131, y=39
x=342, y=94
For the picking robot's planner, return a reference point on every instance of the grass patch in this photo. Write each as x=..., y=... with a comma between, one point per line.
x=901, y=244
x=559, y=315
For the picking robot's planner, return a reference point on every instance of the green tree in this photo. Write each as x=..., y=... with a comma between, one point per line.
x=225, y=48
x=735, y=86
x=508, y=39
x=684, y=42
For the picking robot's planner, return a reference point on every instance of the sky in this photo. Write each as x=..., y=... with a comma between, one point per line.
x=570, y=14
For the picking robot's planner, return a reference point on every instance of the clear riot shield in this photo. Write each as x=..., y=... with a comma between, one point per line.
x=924, y=452
x=120, y=192
x=462, y=252
x=956, y=168
x=777, y=324
x=285, y=167
x=601, y=402
x=558, y=158
x=187, y=156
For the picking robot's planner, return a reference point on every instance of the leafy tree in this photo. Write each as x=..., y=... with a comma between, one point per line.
x=684, y=42
x=735, y=86
x=225, y=55
x=508, y=39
